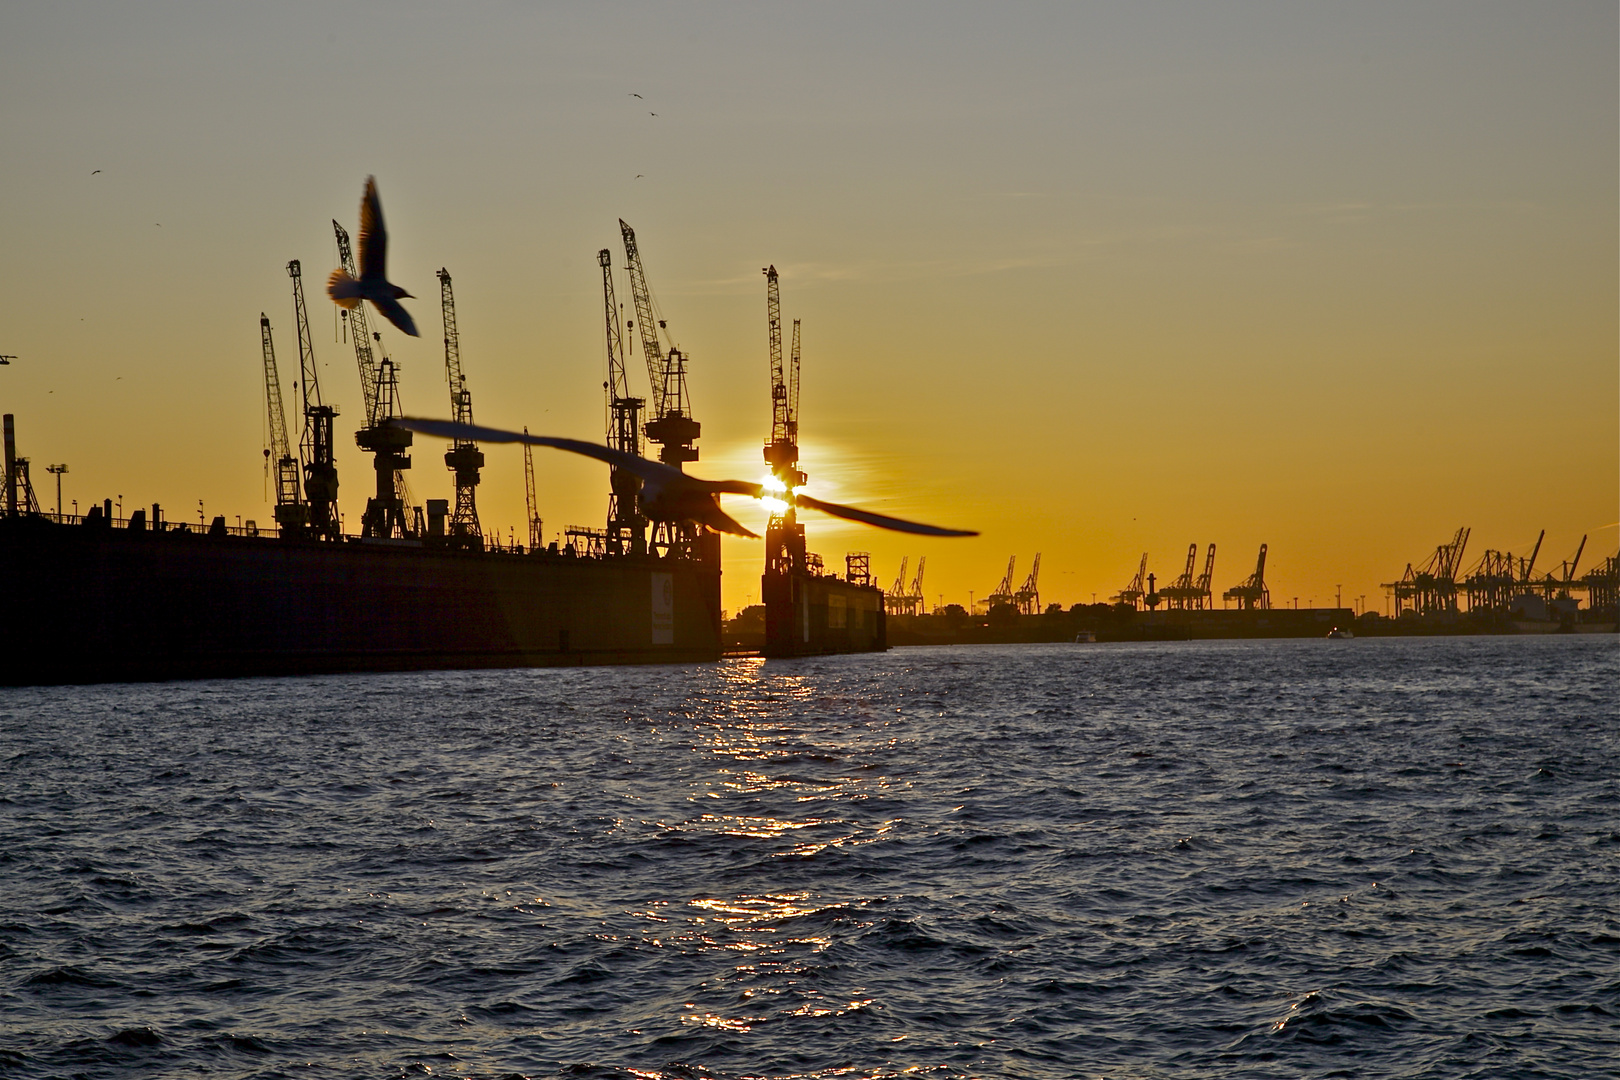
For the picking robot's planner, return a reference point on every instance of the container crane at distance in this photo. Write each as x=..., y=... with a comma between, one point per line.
x=1252, y=594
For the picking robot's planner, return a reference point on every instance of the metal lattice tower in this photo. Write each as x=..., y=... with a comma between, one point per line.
x=463, y=458
x=315, y=446
x=290, y=510
x=626, y=528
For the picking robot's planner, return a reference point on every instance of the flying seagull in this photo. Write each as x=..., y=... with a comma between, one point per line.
x=633, y=94
x=96, y=171
x=667, y=494
x=373, y=283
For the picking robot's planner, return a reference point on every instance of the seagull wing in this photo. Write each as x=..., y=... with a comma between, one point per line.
x=394, y=313
x=373, y=237
x=882, y=521
x=654, y=471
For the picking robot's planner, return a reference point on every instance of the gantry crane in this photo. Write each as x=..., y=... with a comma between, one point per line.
x=463, y=458
x=1252, y=594
x=291, y=514
x=1003, y=593
x=916, y=584
x=315, y=445
x=671, y=426
x=1202, y=596
x=897, y=601
x=1179, y=593
x=379, y=385
x=1028, y=597
x=531, y=505
x=1432, y=588
x=626, y=527
x=1132, y=594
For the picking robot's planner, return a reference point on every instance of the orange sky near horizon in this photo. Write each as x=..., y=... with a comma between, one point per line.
x=1093, y=280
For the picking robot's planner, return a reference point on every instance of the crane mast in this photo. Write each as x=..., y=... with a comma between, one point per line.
x=671, y=426
x=531, y=504
x=315, y=446
x=463, y=458
x=626, y=528
x=290, y=510
x=379, y=385
x=784, y=536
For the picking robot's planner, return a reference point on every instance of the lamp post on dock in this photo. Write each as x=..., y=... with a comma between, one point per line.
x=58, y=470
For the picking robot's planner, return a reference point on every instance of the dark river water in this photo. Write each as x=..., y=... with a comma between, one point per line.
x=1368, y=858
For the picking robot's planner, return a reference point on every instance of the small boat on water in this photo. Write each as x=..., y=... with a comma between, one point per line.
x=1338, y=632
x=1085, y=637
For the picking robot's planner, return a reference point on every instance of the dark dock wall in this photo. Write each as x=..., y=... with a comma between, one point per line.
x=109, y=604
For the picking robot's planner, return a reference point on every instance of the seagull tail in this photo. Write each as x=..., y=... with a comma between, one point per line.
x=343, y=289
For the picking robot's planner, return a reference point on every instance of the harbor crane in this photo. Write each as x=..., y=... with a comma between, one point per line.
x=463, y=458
x=291, y=513
x=671, y=425
x=387, y=443
x=531, y=505
x=784, y=536
x=1028, y=597
x=916, y=584
x=1432, y=588
x=315, y=446
x=1003, y=593
x=1252, y=593
x=1179, y=593
x=1192, y=593
x=1132, y=594
x=626, y=527
x=899, y=600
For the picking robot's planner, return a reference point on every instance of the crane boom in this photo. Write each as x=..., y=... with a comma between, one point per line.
x=646, y=324
x=315, y=445
x=530, y=503
x=289, y=509
x=671, y=426
x=359, y=330
x=626, y=527
x=464, y=459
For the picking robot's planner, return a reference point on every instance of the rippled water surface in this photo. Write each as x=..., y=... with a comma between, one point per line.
x=1311, y=858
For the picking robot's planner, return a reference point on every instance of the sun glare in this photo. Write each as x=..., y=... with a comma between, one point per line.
x=772, y=484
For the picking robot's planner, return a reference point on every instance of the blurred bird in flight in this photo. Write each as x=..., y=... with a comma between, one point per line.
x=373, y=283
x=667, y=494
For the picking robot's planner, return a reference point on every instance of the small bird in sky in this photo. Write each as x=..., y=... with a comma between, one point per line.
x=638, y=176
x=635, y=95
x=94, y=173
x=667, y=494
x=652, y=114
x=373, y=283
